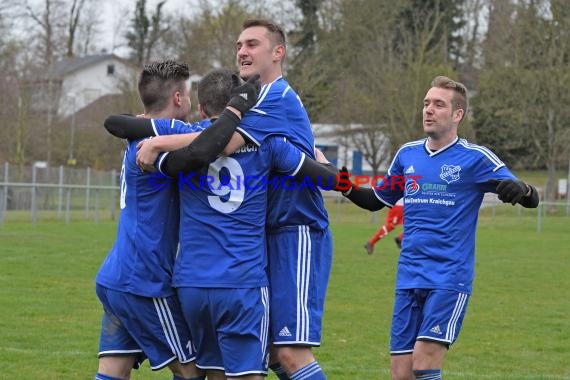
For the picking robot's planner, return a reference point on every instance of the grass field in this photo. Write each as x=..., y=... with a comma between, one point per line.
x=517, y=324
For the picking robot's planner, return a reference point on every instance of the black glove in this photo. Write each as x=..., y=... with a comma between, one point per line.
x=511, y=191
x=344, y=183
x=244, y=96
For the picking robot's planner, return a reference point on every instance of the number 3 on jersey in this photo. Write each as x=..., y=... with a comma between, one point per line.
x=230, y=194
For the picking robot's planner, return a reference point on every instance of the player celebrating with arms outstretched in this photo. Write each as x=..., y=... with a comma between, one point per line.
x=441, y=207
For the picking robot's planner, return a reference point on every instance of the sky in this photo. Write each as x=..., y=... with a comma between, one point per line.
x=117, y=13
x=113, y=15
x=116, y=16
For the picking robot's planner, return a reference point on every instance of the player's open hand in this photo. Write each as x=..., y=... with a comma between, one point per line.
x=244, y=96
x=146, y=155
x=319, y=155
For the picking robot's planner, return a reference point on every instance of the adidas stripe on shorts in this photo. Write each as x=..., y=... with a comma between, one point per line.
x=424, y=314
x=152, y=328
x=300, y=261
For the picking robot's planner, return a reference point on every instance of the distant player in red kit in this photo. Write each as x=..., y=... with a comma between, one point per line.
x=394, y=218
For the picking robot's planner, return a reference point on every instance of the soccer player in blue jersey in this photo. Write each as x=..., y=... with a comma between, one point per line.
x=142, y=317
x=299, y=242
x=442, y=180
x=298, y=239
x=220, y=271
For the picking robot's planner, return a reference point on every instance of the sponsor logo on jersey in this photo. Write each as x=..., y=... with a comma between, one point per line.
x=434, y=187
x=410, y=170
x=247, y=148
x=412, y=187
x=431, y=193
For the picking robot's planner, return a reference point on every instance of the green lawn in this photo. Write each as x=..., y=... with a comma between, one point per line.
x=517, y=324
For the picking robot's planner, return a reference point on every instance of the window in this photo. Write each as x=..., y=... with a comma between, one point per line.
x=110, y=69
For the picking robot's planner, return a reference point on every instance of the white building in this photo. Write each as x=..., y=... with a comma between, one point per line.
x=74, y=83
x=337, y=143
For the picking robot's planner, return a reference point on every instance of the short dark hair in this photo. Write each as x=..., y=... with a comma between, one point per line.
x=158, y=80
x=214, y=91
x=459, y=99
x=275, y=31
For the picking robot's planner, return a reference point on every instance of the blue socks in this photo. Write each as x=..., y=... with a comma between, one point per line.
x=279, y=371
x=100, y=376
x=428, y=374
x=309, y=372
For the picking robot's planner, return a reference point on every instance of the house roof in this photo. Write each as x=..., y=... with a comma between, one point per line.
x=69, y=65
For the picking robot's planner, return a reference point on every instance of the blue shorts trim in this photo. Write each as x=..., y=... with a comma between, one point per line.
x=422, y=314
x=152, y=328
x=300, y=261
x=229, y=327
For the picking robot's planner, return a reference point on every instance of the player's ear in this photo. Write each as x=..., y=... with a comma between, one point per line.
x=459, y=114
x=279, y=52
x=201, y=112
x=177, y=98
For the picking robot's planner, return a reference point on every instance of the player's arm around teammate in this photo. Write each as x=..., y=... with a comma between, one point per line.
x=205, y=146
x=134, y=303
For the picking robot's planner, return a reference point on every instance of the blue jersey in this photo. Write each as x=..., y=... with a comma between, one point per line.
x=440, y=210
x=279, y=111
x=223, y=215
x=141, y=260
